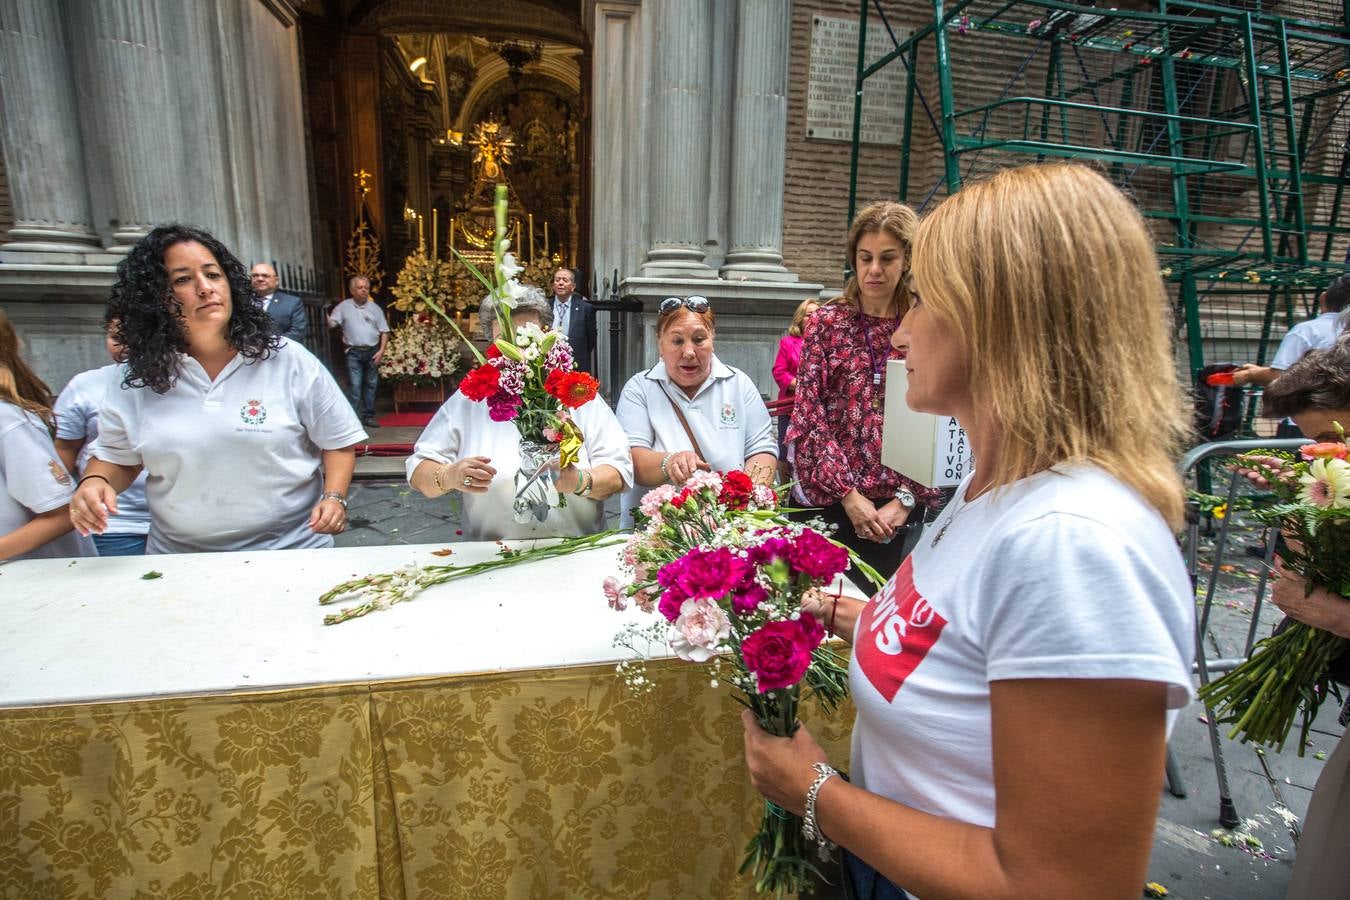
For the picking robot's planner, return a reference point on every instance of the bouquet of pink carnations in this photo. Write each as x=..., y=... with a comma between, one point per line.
x=727, y=571
x=1290, y=672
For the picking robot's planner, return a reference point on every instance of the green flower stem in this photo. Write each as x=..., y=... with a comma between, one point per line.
x=431, y=575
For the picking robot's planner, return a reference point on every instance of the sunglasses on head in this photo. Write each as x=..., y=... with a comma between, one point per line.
x=695, y=304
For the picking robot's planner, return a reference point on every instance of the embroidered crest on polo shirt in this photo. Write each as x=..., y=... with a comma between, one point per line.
x=728, y=414
x=898, y=629
x=58, y=472
x=253, y=412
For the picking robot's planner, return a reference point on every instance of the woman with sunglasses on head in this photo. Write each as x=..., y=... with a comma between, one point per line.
x=692, y=411
x=245, y=438
x=1016, y=679
x=835, y=432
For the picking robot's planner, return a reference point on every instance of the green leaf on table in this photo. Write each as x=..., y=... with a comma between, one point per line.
x=152, y=575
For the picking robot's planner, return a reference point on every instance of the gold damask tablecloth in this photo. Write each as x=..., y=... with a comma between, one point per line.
x=546, y=783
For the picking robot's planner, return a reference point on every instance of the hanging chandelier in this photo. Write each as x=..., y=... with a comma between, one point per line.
x=517, y=55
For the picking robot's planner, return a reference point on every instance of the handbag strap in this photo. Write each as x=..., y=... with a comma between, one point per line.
x=689, y=432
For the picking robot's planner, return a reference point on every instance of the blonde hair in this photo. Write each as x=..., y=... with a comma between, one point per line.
x=18, y=383
x=895, y=219
x=1047, y=276
x=799, y=317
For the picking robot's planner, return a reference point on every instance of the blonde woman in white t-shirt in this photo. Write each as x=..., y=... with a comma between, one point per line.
x=246, y=440
x=1015, y=680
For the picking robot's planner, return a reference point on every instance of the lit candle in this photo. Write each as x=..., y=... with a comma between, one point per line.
x=420, y=242
x=531, y=218
x=435, y=249
x=452, y=238
x=545, y=239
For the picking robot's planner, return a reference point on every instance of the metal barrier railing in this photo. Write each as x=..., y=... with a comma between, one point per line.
x=1190, y=466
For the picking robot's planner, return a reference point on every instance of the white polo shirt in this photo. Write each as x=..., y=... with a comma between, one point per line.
x=727, y=416
x=33, y=481
x=77, y=420
x=361, y=325
x=462, y=427
x=231, y=464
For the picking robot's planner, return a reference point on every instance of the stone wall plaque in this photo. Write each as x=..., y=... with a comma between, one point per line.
x=829, y=92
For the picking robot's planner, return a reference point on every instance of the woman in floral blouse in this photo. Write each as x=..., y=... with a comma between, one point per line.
x=841, y=386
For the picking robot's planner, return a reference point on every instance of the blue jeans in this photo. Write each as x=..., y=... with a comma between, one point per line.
x=120, y=544
x=363, y=377
x=864, y=882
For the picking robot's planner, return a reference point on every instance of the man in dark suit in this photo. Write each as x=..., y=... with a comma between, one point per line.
x=574, y=316
x=289, y=318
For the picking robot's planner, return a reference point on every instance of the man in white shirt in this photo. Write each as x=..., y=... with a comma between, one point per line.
x=1317, y=333
x=365, y=332
x=287, y=310
x=574, y=317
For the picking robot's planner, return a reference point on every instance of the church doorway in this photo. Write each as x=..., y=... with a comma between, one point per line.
x=417, y=110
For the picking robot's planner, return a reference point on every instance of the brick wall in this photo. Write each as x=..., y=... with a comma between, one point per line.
x=815, y=206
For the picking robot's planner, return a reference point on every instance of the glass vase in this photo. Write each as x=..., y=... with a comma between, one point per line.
x=535, y=491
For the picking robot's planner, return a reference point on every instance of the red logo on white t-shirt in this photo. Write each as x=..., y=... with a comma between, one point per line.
x=897, y=630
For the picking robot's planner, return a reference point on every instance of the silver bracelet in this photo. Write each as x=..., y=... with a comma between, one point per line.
x=665, y=459
x=810, y=829
x=334, y=495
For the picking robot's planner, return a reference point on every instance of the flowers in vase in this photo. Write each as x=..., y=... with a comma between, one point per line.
x=1288, y=673
x=526, y=375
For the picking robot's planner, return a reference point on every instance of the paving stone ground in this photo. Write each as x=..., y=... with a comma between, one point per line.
x=1187, y=857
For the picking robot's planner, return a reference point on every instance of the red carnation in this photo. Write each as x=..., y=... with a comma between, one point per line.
x=481, y=383
x=576, y=389
x=779, y=653
x=736, y=489
x=492, y=351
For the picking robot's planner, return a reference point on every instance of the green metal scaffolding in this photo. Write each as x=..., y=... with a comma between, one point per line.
x=1229, y=126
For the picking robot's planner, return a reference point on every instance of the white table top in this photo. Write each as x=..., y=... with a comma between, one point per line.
x=93, y=629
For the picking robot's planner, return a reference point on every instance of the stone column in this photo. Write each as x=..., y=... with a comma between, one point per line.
x=132, y=129
x=40, y=133
x=759, y=142
x=681, y=77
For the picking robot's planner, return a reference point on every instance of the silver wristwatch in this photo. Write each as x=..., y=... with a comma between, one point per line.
x=906, y=498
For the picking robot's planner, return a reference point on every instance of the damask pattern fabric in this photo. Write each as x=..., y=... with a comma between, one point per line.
x=553, y=783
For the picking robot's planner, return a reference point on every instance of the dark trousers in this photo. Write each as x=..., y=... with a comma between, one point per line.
x=363, y=377
x=885, y=558
x=862, y=882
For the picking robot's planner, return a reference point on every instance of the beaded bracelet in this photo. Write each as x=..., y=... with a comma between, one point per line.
x=664, y=461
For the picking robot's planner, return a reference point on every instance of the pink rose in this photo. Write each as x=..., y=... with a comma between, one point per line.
x=777, y=655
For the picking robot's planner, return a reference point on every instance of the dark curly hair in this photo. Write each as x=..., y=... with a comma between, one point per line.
x=144, y=317
x=1320, y=381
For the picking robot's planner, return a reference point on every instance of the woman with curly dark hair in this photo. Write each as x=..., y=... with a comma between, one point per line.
x=209, y=390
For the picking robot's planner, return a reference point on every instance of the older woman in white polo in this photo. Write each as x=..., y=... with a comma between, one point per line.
x=463, y=449
x=692, y=411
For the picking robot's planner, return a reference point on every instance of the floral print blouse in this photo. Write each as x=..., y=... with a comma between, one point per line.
x=836, y=422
